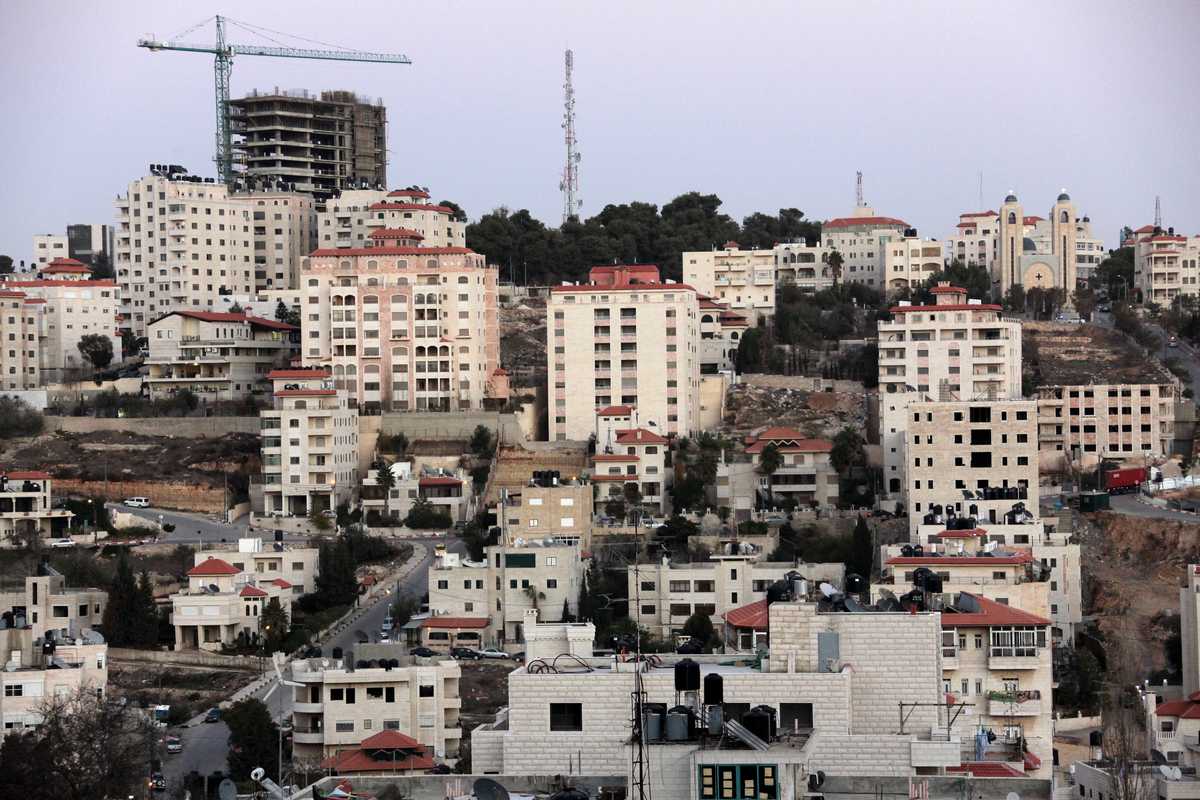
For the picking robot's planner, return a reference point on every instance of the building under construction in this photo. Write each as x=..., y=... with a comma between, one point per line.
x=318, y=145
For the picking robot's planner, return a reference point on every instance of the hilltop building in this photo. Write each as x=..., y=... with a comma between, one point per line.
x=742, y=280
x=349, y=219
x=222, y=605
x=1166, y=265
x=862, y=240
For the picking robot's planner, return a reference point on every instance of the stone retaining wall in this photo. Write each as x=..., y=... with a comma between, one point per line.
x=177, y=496
x=188, y=427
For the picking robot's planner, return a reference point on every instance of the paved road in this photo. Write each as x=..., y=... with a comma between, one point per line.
x=1130, y=505
x=191, y=528
x=1184, y=353
x=205, y=744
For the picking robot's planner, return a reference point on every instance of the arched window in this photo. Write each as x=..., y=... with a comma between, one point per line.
x=463, y=279
x=349, y=300
x=345, y=265
x=370, y=300
x=400, y=351
x=419, y=352
x=431, y=263
x=397, y=299
x=1012, y=218
x=1063, y=217
x=733, y=337
x=706, y=318
x=402, y=281
x=372, y=265
x=444, y=351
x=336, y=300
x=372, y=281
x=351, y=371
x=313, y=282
x=402, y=264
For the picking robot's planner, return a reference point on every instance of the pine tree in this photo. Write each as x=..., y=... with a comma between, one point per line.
x=146, y=613
x=273, y=624
x=121, y=612
x=861, y=556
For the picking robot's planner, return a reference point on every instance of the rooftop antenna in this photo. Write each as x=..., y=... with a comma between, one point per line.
x=980, y=190
x=1157, y=212
x=858, y=192
x=570, y=179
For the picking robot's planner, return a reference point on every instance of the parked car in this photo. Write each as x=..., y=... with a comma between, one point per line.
x=137, y=502
x=329, y=513
x=157, y=782
x=464, y=653
x=61, y=543
x=423, y=652
x=385, y=636
x=519, y=655
x=491, y=652
x=174, y=744
x=1172, y=342
x=213, y=715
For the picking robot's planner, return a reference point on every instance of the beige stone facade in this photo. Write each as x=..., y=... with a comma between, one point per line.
x=910, y=262
x=562, y=511
x=284, y=226
x=721, y=332
x=862, y=239
x=1022, y=259
x=632, y=456
x=217, y=355
x=742, y=280
x=339, y=702
x=48, y=247
x=1106, y=420
x=624, y=338
x=1166, y=265
x=32, y=676
x=976, y=241
x=1189, y=627
x=51, y=608
x=803, y=265
x=349, y=219
x=805, y=477
x=181, y=242
x=27, y=507
x=283, y=564
x=21, y=328
x=402, y=327
x=222, y=606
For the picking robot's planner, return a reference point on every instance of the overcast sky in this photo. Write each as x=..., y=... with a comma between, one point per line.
x=767, y=104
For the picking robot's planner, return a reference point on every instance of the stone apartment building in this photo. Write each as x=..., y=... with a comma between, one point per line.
x=548, y=508
x=293, y=569
x=49, y=247
x=956, y=349
x=27, y=508
x=909, y=262
x=349, y=219
x=862, y=240
x=803, y=265
x=217, y=355
x=402, y=327
x=309, y=446
x=805, y=477
x=72, y=306
x=625, y=338
x=665, y=594
x=830, y=716
x=632, y=456
x=509, y=581
x=46, y=606
x=222, y=604
x=448, y=491
x=1189, y=628
x=1107, y=420
x=985, y=449
x=284, y=225
x=374, y=688
x=742, y=280
x=181, y=242
x=1165, y=264
x=21, y=327
x=721, y=331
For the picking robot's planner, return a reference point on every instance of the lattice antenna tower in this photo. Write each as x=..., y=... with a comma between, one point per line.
x=569, y=186
x=858, y=192
x=1157, y=211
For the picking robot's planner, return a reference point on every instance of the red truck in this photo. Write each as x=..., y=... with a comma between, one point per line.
x=1120, y=481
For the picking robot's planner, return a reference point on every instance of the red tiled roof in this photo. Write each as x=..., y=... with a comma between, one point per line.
x=225, y=316
x=251, y=591
x=613, y=478
x=363, y=759
x=408, y=193
x=1032, y=762
x=965, y=225
x=284, y=374
x=632, y=287
x=455, y=622
x=990, y=613
x=214, y=566
x=965, y=561
x=788, y=440
x=1032, y=220
x=1165, y=238
x=980, y=214
x=988, y=769
x=948, y=290
x=707, y=303
x=973, y=533
x=281, y=583
x=390, y=740
x=396, y=233
x=109, y=283
x=1145, y=229
x=639, y=436
x=1188, y=708
x=755, y=615
x=33, y=301
x=879, y=222
x=441, y=480
x=951, y=307
x=13, y=295
x=67, y=265
x=615, y=411
x=385, y=205
x=614, y=457
x=306, y=393
x=27, y=476
x=392, y=251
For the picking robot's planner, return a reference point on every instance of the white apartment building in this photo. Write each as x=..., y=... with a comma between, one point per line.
x=1108, y=420
x=636, y=456
x=831, y=718
x=293, y=569
x=954, y=349
x=374, y=688
x=721, y=332
x=862, y=239
x=74, y=306
x=509, y=581
x=742, y=280
x=402, y=327
x=181, y=242
x=309, y=446
x=48, y=247
x=349, y=219
x=805, y=477
x=975, y=242
x=284, y=225
x=217, y=355
x=624, y=338
x=448, y=491
x=26, y=507
x=803, y=265
x=222, y=605
x=910, y=261
x=21, y=327
x=664, y=595
x=1165, y=265
x=981, y=455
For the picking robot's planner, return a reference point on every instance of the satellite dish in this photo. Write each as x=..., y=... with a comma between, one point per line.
x=227, y=790
x=488, y=789
x=1012, y=796
x=1165, y=771
x=828, y=590
x=1176, y=774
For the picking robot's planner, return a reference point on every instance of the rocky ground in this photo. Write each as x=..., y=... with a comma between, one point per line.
x=484, y=690
x=816, y=414
x=523, y=341
x=188, y=690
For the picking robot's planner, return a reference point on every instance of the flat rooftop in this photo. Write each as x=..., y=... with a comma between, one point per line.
x=1066, y=354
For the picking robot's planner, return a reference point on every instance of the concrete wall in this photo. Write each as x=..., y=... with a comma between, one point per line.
x=179, y=496
x=190, y=657
x=439, y=787
x=802, y=382
x=457, y=425
x=188, y=427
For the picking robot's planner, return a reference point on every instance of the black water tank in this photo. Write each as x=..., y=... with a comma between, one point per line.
x=569, y=794
x=1096, y=739
x=770, y=712
x=757, y=723
x=933, y=583
x=279, y=536
x=855, y=583
x=360, y=664
x=687, y=676
x=778, y=591
x=337, y=653
x=906, y=550
x=714, y=689
x=921, y=575
x=918, y=550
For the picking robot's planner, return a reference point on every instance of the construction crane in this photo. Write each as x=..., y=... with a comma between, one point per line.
x=224, y=52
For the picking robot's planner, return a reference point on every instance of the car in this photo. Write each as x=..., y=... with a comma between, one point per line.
x=385, y=636
x=1105, y=308
x=213, y=715
x=174, y=744
x=519, y=655
x=329, y=513
x=1172, y=342
x=62, y=543
x=137, y=502
x=464, y=653
x=422, y=652
x=491, y=652
x=157, y=782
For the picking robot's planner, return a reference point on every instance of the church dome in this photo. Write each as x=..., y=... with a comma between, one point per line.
x=1012, y=198
x=1028, y=245
x=1063, y=197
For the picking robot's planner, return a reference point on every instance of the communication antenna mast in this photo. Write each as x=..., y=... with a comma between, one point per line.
x=858, y=192
x=570, y=177
x=1157, y=212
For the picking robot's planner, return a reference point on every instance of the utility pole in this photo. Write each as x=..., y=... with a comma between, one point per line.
x=569, y=186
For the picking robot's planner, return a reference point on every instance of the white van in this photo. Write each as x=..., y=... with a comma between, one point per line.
x=137, y=502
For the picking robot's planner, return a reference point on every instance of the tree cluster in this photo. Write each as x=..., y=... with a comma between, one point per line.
x=631, y=233
x=131, y=616
x=17, y=418
x=483, y=443
x=424, y=515
x=253, y=739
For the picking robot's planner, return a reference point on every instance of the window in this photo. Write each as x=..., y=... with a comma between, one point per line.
x=737, y=782
x=647, y=586
x=336, y=694
x=681, y=586
x=551, y=583
x=14, y=690
x=425, y=690
x=649, y=610
x=566, y=716
x=344, y=726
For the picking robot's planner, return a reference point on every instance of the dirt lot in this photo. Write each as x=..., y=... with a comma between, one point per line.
x=130, y=456
x=484, y=690
x=816, y=414
x=188, y=690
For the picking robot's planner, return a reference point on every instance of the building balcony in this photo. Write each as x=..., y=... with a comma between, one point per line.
x=1019, y=704
x=308, y=708
x=1014, y=658
x=300, y=736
